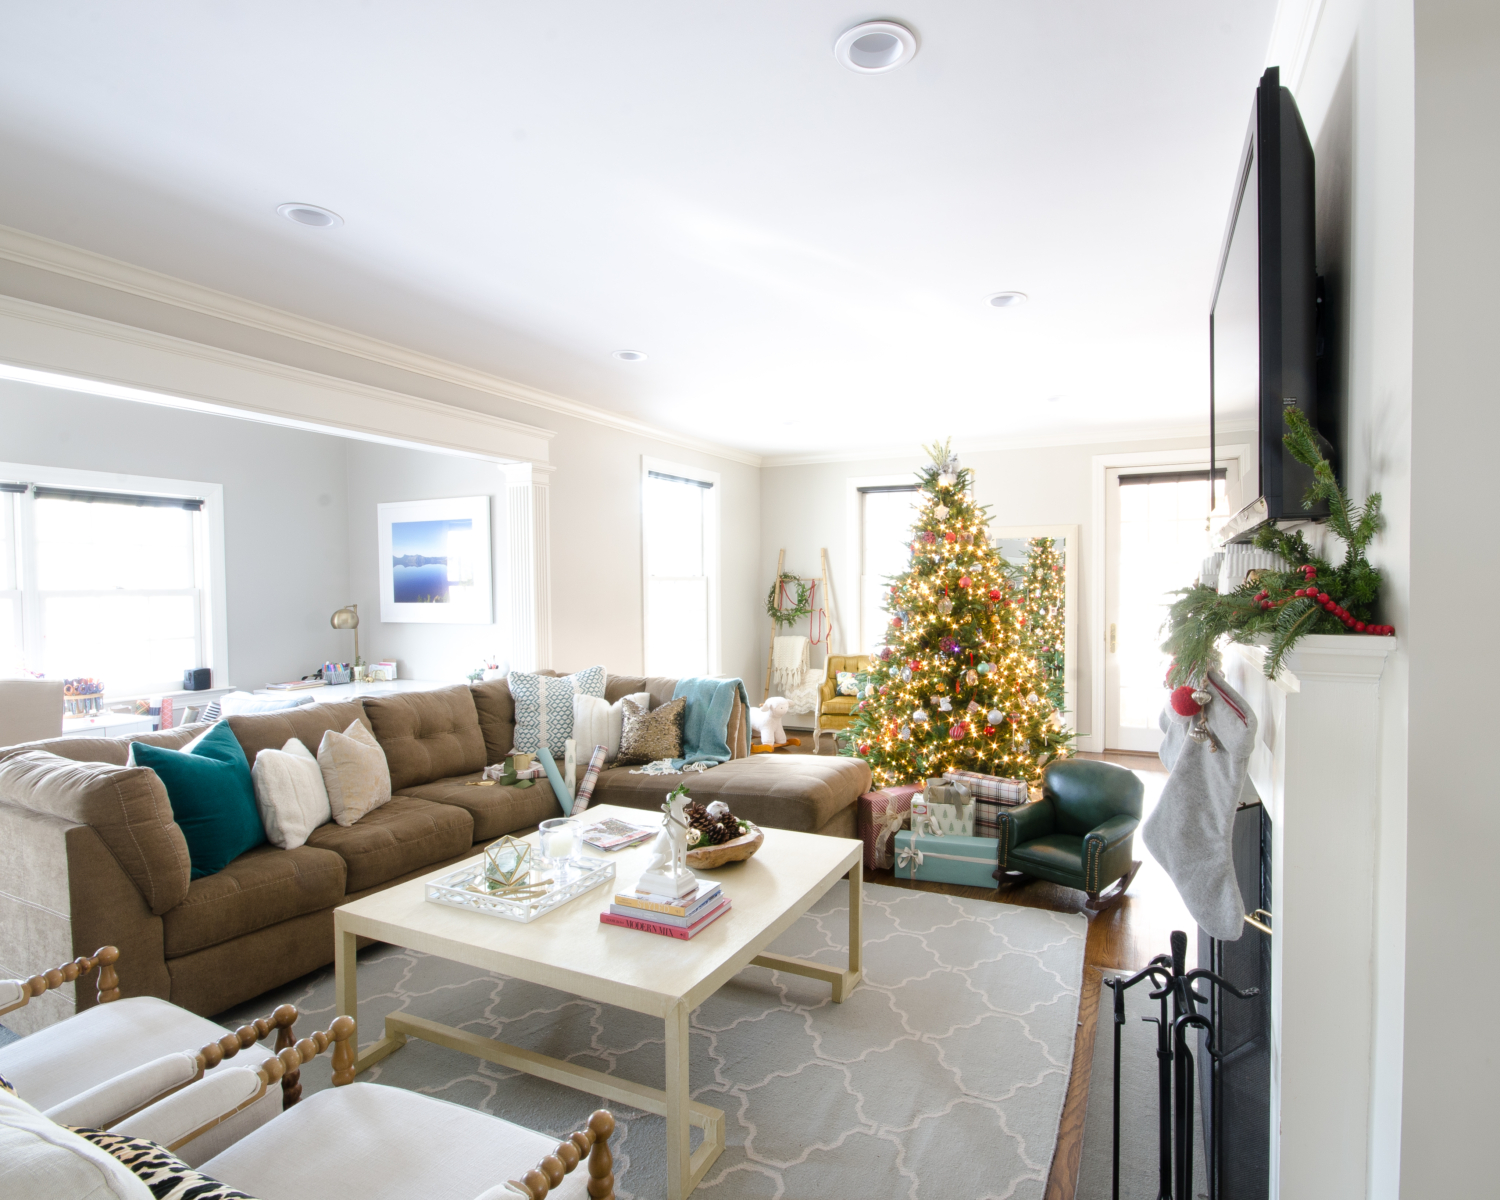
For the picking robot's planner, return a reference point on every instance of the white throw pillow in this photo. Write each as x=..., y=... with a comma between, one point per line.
x=355, y=773
x=290, y=793
x=544, y=707
x=596, y=722
x=41, y=1160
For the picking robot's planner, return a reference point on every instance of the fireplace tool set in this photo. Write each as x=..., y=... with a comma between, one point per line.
x=1175, y=1067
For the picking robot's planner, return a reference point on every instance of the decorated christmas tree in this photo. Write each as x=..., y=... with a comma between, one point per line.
x=1043, y=630
x=955, y=687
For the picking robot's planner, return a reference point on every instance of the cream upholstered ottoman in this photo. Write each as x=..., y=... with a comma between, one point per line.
x=375, y=1142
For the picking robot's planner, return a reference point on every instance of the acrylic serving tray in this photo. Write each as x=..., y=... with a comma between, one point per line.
x=571, y=878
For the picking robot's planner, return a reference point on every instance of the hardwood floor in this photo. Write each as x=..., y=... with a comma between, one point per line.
x=1125, y=936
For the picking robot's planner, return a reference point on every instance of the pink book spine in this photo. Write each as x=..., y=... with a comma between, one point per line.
x=657, y=927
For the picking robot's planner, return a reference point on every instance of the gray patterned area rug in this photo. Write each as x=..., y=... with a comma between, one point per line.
x=941, y=1077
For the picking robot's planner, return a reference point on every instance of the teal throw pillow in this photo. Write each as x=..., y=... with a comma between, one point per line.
x=212, y=797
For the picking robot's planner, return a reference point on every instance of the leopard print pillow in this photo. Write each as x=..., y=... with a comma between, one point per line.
x=648, y=736
x=168, y=1177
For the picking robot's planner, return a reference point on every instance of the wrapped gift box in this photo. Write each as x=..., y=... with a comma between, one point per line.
x=945, y=807
x=991, y=793
x=880, y=814
x=947, y=859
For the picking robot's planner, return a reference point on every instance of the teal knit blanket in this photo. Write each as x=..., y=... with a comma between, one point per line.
x=705, y=726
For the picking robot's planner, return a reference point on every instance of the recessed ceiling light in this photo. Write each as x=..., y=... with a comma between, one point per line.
x=630, y=355
x=1007, y=299
x=875, y=46
x=310, y=214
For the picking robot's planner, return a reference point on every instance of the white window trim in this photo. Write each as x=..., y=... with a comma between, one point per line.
x=854, y=549
x=209, y=553
x=711, y=554
x=1196, y=457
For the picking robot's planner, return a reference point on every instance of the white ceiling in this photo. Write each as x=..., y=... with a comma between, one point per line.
x=802, y=251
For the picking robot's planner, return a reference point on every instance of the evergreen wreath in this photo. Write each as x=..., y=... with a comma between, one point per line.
x=1310, y=596
x=785, y=617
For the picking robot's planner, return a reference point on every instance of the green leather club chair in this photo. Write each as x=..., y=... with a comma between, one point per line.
x=1079, y=834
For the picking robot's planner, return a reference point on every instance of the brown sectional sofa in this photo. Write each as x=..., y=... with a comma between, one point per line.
x=90, y=854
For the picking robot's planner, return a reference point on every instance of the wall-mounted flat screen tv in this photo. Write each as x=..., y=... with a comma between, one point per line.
x=1263, y=322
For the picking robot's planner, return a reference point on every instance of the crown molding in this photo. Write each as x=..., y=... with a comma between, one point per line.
x=55, y=347
x=1088, y=436
x=44, y=254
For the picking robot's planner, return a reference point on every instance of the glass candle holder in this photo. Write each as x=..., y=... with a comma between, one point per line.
x=558, y=837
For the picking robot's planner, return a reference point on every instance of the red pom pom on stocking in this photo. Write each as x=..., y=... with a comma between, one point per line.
x=1183, y=703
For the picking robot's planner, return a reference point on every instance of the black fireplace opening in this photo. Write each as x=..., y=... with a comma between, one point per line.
x=1235, y=1091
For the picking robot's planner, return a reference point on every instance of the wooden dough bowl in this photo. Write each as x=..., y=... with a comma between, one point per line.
x=705, y=858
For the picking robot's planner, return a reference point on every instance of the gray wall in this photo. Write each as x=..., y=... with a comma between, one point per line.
x=285, y=528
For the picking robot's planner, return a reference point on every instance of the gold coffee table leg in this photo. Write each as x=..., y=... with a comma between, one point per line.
x=346, y=993
x=842, y=980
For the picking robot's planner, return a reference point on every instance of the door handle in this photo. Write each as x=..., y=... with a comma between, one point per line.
x=1111, y=639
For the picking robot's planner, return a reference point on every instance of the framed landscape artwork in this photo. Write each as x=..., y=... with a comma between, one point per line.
x=435, y=561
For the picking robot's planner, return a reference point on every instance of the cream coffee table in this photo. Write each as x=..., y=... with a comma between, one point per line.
x=571, y=950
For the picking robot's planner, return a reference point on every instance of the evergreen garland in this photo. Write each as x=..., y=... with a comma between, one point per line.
x=1311, y=596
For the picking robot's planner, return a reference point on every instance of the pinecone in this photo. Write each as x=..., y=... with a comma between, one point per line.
x=699, y=819
x=728, y=828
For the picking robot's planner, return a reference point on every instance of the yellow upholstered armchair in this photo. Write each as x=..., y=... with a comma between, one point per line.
x=836, y=712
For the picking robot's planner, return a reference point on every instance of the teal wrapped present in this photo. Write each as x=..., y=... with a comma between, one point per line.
x=947, y=859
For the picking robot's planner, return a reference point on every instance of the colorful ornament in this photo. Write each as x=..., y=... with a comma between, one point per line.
x=971, y=677
x=945, y=606
x=958, y=729
x=950, y=537
x=964, y=581
x=994, y=593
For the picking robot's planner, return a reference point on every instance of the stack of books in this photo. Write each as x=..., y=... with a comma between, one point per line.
x=680, y=917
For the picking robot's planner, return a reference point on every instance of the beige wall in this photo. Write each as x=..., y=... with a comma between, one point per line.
x=804, y=509
x=1452, y=1105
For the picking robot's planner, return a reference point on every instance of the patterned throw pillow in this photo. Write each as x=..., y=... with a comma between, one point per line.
x=847, y=684
x=544, y=707
x=648, y=736
x=168, y=1177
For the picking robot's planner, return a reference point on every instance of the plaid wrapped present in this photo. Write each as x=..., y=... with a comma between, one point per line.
x=881, y=814
x=991, y=793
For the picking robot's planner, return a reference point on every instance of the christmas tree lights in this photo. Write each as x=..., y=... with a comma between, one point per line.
x=1044, y=632
x=956, y=686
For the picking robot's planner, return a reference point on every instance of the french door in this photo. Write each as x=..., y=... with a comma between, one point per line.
x=1158, y=531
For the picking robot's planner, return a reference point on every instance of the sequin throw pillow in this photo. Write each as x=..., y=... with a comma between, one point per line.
x=648, y=736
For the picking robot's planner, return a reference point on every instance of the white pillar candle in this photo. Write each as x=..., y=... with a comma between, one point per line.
x=558, y=843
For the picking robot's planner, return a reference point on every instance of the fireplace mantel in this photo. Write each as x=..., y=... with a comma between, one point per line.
x=1316, y=768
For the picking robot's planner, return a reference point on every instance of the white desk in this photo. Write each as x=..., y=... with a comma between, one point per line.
x=333, y=693
x=108, y=724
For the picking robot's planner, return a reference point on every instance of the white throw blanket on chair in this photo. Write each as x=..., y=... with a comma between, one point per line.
x=791, y=673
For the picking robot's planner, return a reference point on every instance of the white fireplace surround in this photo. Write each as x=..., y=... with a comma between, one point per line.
x=1316, y=766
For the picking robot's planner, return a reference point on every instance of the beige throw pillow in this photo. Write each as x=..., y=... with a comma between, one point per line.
x=290, y=793
x=355, y=773
x=648, y=736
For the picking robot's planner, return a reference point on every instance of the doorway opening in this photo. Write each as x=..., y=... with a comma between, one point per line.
x=1160, y=525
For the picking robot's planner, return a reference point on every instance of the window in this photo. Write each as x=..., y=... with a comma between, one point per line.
x=887, y=513
x=680, y=544
x=1159, y=532
x=107, y=583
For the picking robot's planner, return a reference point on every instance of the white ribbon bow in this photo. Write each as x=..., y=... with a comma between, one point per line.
x=908, y=856
x=886, y=827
